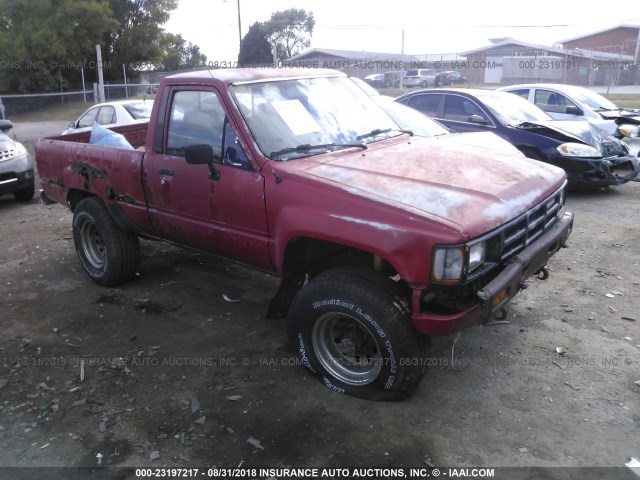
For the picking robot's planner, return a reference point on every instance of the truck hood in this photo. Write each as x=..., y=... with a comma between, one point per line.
x=583, y=132
x=473, y=188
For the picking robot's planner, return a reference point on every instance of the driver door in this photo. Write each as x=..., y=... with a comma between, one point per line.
x=217, y=207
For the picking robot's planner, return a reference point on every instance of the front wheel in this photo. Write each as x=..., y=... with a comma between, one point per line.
x=109, y=254
x=352, y=330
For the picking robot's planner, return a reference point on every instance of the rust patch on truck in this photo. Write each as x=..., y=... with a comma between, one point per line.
x=89, y=173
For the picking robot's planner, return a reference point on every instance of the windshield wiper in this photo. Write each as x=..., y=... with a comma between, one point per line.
x=308, y=147
x=378, y=131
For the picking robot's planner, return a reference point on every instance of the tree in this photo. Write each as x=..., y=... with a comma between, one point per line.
x=139, y=39
x=255, y=48
x=290, y=31
x=43, y=43
x=179, y=53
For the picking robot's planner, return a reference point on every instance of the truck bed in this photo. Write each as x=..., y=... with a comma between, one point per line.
x=68, y=165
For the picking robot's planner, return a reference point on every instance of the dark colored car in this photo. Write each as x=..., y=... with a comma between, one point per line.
x=590, y=156
x=450, y=77
x=16, y=166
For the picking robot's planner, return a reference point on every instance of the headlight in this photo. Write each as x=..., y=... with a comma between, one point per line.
x=476, y=256
x=19, y=150
x=578, y=150
x=447, y=264
x=450, y=263
x=631, y=131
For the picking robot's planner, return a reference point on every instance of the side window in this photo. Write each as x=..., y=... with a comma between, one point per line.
x=107, y=115
x=552, y=101
x=233, y=153
x=88, y=118
x=460, y=109
x=427, y=104
x=196, y=118
x=524, y=93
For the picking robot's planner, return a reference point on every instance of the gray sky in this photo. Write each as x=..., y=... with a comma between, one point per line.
x=430, y=27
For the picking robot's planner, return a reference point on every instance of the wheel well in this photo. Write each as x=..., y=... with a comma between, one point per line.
x=306, y=258
x=313, y=256
x=74, y=197
x=531, y=152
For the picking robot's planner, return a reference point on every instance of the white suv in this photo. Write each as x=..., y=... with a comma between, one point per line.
x=421, y=77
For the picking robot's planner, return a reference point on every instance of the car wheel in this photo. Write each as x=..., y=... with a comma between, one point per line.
x=25, y=194
x=355, y=333
x=109, y=254
x=425, y=84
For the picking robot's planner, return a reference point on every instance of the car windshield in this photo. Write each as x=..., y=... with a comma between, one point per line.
x=593, y=100
x=139, y=111
x=510, y=109
x=410, y=119
x=287, y=114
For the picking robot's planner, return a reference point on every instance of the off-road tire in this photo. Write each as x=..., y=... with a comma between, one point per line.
x=351, y=327
x=109, y=254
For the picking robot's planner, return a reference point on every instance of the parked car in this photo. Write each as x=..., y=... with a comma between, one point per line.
x=421, y=125
x=112, y=114
x=392, y=79
x=16, y=166
x=568, y=102
x=590, y=156
x=376, y=80
x=421, y=77
x=450, y=77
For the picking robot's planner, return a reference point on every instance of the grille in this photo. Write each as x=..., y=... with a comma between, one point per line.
x=516, y=235
x=6, y=155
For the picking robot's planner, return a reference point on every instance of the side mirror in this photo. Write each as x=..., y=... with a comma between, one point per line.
x=574, y=111
x=479, y=119
x=5, y=125
x=202, y=154
x=71, y=125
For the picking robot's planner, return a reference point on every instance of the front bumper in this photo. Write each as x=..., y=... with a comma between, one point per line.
x=601, y=173
x=497, y=293
x=11, y=181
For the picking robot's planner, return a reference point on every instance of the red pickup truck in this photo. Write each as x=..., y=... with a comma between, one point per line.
x=379, y=238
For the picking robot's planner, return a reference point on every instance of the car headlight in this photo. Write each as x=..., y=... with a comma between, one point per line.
x=631, y=131
x=476, y=256
x=447, y=264
x=578, y=150
x=19, y=150
x=451, y=263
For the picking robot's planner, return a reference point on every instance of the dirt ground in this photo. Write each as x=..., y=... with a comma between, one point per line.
x=165, y=371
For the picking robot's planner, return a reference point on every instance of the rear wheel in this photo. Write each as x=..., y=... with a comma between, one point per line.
x=352, y=330
x=425, y=84
x=109, y=254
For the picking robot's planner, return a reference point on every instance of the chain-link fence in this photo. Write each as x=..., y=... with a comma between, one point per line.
x=18, y=104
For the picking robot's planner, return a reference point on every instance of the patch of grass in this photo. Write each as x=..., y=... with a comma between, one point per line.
x=65, y=111
x=626, y=100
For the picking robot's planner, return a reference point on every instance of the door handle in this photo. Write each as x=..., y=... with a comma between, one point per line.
x=166, y=171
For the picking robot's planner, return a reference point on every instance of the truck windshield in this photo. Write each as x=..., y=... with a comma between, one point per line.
x=284, y=114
